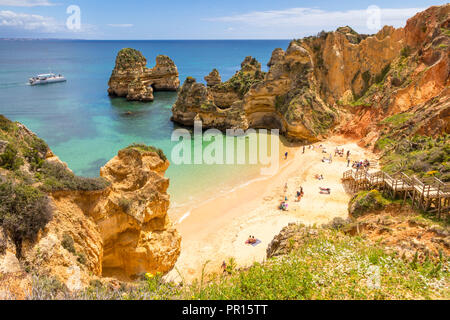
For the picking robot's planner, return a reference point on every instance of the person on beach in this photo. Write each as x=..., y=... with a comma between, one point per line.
x=286, y=155
x=304, y=149
x=300, y=194
x=250, y=240
x=348, y=154
x=348, y=162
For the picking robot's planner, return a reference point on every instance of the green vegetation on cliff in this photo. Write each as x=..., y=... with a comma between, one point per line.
x=129, y=57
x=367, y=201
x=327, y=264
x=25, y=178
x=242, y=81
x=145, y=148
x=24, y=211
x=419, y=155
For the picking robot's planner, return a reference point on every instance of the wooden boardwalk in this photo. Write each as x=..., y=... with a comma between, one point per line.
x=429, y=194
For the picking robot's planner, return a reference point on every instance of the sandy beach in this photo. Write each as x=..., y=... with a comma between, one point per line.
x=216, y=230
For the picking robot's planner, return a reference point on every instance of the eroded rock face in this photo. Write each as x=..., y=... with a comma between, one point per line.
x=137, y=234
x=132, y=79
x=219, y=104
x=121, y=231
x=415, y=82
x=130, y=217
x=213, y=78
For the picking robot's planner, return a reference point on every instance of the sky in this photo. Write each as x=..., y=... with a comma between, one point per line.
x=197, y=19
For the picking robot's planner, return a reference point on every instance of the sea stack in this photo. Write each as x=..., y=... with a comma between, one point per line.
x=133, y=80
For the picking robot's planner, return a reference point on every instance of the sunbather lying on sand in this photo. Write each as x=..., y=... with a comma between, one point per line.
x=325, y=190
x=318, y=177
x=250, y=240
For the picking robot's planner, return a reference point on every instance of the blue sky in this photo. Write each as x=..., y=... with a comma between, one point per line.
x=199, y=19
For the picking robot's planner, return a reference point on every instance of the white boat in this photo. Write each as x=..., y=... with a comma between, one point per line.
x=46, y=78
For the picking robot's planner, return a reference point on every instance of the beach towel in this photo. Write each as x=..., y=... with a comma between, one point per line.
x=256, y=243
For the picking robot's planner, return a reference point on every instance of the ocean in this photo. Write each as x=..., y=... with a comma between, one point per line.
x=85, y=128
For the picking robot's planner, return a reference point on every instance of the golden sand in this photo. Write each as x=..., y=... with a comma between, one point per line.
x=217, y=229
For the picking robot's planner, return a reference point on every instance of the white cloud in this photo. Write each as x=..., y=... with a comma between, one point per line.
x=10, y=20
x=26, y=3
x=29, y=22
x=313, y=18
x=122, y=25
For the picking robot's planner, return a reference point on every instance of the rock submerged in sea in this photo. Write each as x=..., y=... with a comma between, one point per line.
x=133, y=80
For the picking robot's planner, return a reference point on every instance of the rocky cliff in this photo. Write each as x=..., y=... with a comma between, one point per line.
x=340, y=81
x=73, y=229
x=219, y=104
x=132, y=79
x=413, y=86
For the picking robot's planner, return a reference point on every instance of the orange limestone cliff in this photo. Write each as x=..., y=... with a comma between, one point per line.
x=131, y=214
x=336, y=80
x=133, y=222
x=119, y=229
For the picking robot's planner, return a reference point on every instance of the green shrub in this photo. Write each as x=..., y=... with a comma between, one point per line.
x=56, y=177
x=5, y=123
x=24, y=211
x=406, y=51
x=68, y=243
x=81, y=258
x=417, y=155
x=366, y=202
x=35, y=155
x=398, y=119
x=10, y=158
x=145, y=148
x=125, y=204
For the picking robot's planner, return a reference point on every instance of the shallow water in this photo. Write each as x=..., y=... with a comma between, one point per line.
x=86, y=128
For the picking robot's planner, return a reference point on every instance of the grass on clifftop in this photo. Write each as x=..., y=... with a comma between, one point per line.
x=128, y=57
x=56, y=177
x=145, y=148
x=329, y=265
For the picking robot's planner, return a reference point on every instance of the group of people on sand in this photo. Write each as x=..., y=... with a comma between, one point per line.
x=299, y=195
x=361, y=165
x=284, y=206
x=329, y=159
x=339, y=152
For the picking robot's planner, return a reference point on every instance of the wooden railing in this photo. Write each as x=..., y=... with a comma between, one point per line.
x=428, y=194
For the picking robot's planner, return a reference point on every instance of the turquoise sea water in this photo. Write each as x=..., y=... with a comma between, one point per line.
x=86, y=128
